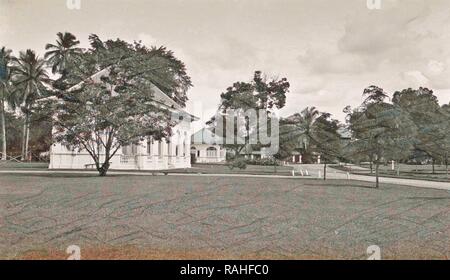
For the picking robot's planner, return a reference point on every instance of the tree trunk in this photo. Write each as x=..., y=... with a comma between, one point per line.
x=432, y=164
x=27, y=140
x=446, y=166
x=24, y=136
x=102, y=172
x=3, y=130
x=325, y=171
x=398, y=168
x=105, y=166
x=377, y=167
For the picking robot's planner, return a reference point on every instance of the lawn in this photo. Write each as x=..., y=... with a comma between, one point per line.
x=186, y=217
x=196, y=168
x=421, y=172
x=224, y=169
x=23, y=165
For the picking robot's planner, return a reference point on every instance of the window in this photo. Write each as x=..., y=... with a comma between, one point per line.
x=176, y=151
x=169, y=148
x=125, y=150
x=129, y=150
x=185, y=146
x=160, y=148
x=211, y=152
x=149, y=146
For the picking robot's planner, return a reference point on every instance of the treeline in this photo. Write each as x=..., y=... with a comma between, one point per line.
x=409, y=125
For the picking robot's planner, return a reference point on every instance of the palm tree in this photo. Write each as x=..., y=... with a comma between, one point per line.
x=58, y=55
x=5, y=93
x=30, y=77
x=298, y=129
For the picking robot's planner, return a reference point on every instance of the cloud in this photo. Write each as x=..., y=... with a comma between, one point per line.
x=319, y=61
x=416, y=79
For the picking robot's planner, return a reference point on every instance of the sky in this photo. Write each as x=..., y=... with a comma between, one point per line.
x=328, y=50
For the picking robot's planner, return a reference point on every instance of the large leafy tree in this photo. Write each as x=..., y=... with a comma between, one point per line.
x=378, y=127
x=30, y=79
x=326, y=139
x=445, y=142
x=260, y=95
x=424, y=110
x=166, y=71
x=114, y=102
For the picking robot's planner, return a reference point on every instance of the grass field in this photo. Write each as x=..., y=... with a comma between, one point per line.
x=421, y=172
x=196, y=168
x=185, y=217
x=23, y=165
x=223, y=169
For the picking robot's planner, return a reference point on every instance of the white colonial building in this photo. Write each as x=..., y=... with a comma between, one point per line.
x=170, y=153
x=205, y=147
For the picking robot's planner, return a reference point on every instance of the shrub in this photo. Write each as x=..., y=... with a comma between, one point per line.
x=238, y=163
x=263, y=162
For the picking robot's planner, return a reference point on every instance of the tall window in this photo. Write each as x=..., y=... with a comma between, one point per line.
x=129, y=150
x=149, y=145
x=126, y=150
x=185, y=146
x=211, y=152
x=169, y=148
x=177, y=146
x=160, y=148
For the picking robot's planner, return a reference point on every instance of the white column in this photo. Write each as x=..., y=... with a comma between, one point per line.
x=139, y=156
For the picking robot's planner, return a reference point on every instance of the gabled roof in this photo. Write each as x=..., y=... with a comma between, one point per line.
x=158, y=95
x=345, y=133
x=206, y=136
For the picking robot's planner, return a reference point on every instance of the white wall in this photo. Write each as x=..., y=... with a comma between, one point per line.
x=206, y=157
x=62, y=158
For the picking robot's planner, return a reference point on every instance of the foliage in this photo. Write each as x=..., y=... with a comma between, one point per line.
x=381, y=130
x=262, y=162
x=262, y=95
x=29, y=78
x=115, y=105
x=430, y=120
x=60, y=54
x=238, y=163
x=5, y=94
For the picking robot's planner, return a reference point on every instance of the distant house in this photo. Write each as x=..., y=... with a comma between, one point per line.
x=297, y=156
x=252, y=152
x=206, y=147
x=150, y=154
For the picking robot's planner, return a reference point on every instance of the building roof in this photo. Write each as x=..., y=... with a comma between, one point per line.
x=206, y=136
x=345, y=133
x=158, y=95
